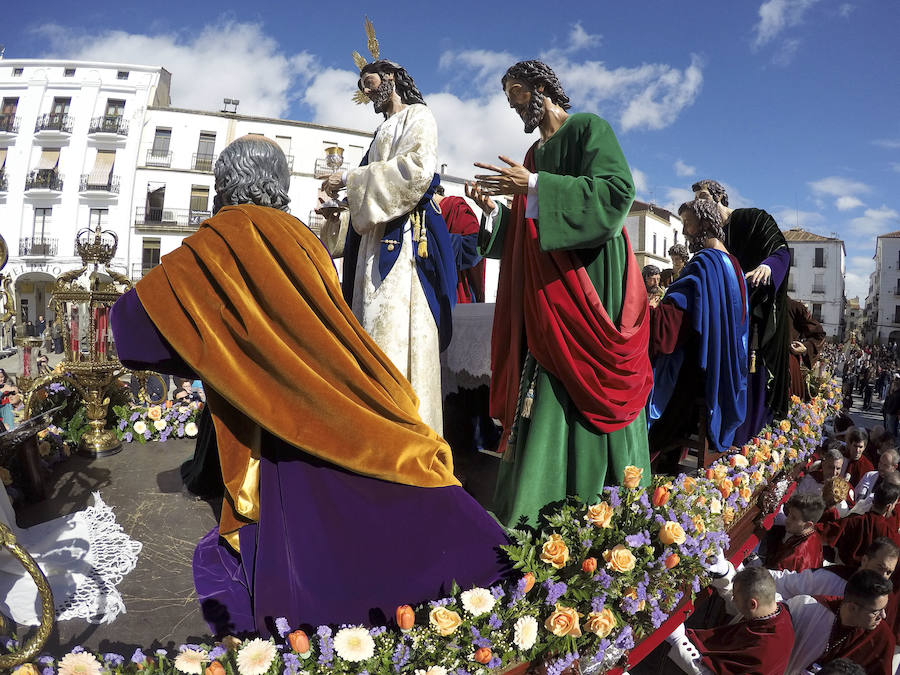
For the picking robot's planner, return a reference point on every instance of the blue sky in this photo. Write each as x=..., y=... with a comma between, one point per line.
x=794, y=104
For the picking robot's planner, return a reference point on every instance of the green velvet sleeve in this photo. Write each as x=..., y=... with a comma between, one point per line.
x=490, y=244
x=585, y=188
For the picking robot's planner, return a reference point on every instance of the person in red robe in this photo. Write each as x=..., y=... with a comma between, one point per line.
x=856, y=464
x=852, y=536
x=760, y=644
x=796, y=545
x=461, y=220
x=827, y=628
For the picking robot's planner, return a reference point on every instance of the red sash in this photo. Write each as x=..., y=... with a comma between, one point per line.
x=549, y=297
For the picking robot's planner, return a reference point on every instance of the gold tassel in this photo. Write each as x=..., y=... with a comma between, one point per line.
x=753, y=361
x=419, y=233
x=527, y=403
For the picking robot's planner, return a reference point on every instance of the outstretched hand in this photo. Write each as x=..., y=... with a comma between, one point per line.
x=761, y=275
x=473, y=192
x=512, y=180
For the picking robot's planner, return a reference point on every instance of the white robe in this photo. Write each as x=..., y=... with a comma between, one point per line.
x=395, y=312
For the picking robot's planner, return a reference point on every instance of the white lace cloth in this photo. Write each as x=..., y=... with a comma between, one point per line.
x=84, y=556
x=467, y=361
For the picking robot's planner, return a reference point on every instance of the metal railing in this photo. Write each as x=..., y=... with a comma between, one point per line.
x=315, y=223
x=87, y=186
x=53, y=122
x=9, y=123
x=195, y=217
x=38, y=246
x=178, y=220
x=818, y=289
x=159, y=158
x=138, y=270
x=109, y=124
x=203, y=162
x=44, y=179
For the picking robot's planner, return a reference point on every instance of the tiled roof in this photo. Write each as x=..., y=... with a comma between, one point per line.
x=798, y=234
x=891, y=235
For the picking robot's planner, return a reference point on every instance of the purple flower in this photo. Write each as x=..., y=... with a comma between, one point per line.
x=598, y=602
x=122, y=425
x=639, y=539
x=518, y=593
x=613, y=494
x=138, y=656
x=46, y=659
x=147, y=435
x=114, y=659
x=658, y=617
x=162, y=652
x=494, y=663
x=128, y=437
x=554, y=591
x=180, y=430
x=217, y=652
x=497, y=592
x=134, y=416
x=282, y=626
x=443, y=602
x=494, y=622
x=625, y=639
x=377, y=630
x=559, y=665
x=77, y=649
x=291, y=664
x=400, y=657
x=49, y=670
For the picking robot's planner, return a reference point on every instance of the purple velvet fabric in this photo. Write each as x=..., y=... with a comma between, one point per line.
x=330, y=546
x=758, y=414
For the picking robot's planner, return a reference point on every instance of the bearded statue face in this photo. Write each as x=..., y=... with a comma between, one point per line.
x=527, y=101
x=379, y=90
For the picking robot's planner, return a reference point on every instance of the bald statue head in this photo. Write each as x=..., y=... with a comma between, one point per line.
x=252, y=170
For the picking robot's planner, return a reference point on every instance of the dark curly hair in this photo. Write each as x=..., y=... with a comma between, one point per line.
x=710, y=219
x=715, y=188
x=679, y=250
x=403, y=82
x=537, y=73
x=252, y=170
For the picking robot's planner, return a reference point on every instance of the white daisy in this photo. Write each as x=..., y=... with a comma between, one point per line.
x=140, y=427
x=354, y=644
x=478, y=601
x=83, y=663
x=525, y=632
x=190, y=429
x=255, y=657
x=191, y=661
x=160, y=425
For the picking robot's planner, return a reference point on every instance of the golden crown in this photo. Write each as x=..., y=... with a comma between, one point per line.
x=361, y=62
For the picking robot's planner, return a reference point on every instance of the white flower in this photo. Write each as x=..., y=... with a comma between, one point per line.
x=191, y=661
x=434, y=670
x=478, y=601
x=160, y=425
x=354, y=644
x=715, y=506
x=183, y=409
x=190, y=429
x=525, y=633
x=255, y=657
x=83, y=663
x=140, y=427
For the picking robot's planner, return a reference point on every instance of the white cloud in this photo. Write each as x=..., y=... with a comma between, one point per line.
x=777, y=15
x=835, y=186
x=786, y=52
x=846, y=9
x=788, y=218
x=682, y=169
x=478, y=68
x=579, y=38
x=224, y=59
x=330, y=94
x=641, y=182
x=875, y=221
x=856, y=283
x=846, y=203
x=674, y=197
x=889, y=143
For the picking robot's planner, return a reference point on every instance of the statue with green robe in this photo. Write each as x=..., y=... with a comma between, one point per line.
x=569, y=350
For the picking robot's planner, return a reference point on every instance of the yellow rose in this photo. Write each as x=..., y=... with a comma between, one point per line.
x=619, y=559
x=745, y=493
x=784, y=425
x=555, y=552
x=600, y=623
x=154, y=412
x=671, y=533
x=563, y=621
x=795, y=399
x=633, y=476
x=699, y=524
x=445, y=621
x=600, y=515
x=720, y=471
x=756, y=476
x=27, y=669
x=689, y=485
x=728, y=516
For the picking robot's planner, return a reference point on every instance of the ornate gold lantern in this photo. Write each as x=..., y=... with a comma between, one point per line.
x=82, y=300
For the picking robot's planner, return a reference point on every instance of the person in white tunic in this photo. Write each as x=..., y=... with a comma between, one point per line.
x=399, y=270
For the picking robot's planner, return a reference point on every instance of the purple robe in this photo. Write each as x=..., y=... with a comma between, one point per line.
x=330, y=546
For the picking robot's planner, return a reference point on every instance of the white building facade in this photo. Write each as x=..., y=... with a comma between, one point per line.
x=652, y=230
x=816, y=277
x=883, y=303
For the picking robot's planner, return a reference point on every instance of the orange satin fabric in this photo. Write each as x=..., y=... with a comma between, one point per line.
x=252, y=303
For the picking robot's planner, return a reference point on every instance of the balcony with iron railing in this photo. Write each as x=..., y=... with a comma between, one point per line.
x=170, y=220
x=114, y=125
x=9, y=124
x=44, y=179
x=138, y=270
x=53, y=123
x=818, y=289
x=159, y=158
x=315, y=223
x=203, y=162
x=110, y=187
x=322, y=169
x=38, y=246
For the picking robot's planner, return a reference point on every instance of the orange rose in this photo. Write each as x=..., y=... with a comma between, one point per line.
x=154, y=412
x=589, y=565
x=660, y=496
x=215, y=668
x=768, y=435
x=672, y=560
x=671, y=533
x=483, y=655
x=689, y=485
x=563, y=621
x=746, y=493
x=555, y=552
x=710, y=474
x=600, y=623
x=633, y=476
x=701, y=500
x=529, y=581
x=406, y=617
x=725, y=487
x=699, y=524
x=445, y=621
x=737, y=480
x=619, y=559
x=600, y=515
x=795, y=398
x=299, y=642
x=756, y=476
x=720, y=471
x=168, y=404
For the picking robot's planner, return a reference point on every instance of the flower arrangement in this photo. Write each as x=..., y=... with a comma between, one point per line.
x=595, y=578
x=157, y=422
